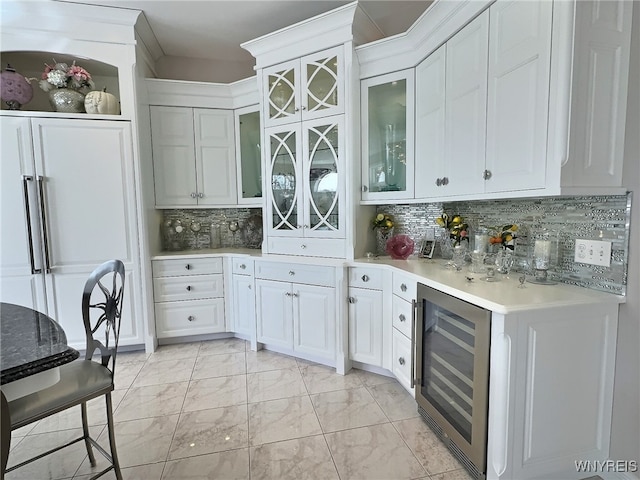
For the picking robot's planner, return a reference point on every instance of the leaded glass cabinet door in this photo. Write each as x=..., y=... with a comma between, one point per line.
x=282, y=93
x=324, y=178
x=284, y=173
x=323, y=84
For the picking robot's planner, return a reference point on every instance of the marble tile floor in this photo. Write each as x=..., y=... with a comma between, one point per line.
x=216, y=409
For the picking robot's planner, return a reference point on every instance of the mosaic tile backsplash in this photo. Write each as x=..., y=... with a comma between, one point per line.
x=191, y=229
x=603, y=217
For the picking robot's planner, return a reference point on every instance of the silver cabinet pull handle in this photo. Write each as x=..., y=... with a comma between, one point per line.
x=414, y=311
x=45, y=233
x=403, y=287
x=292, y=273
x=27, y=207
x=401, y=360
x=294, y=295
x=365, y=278
x=243, y=266
x=445, y=180
x=191, y=318
x=351, y=300
x=188, y=288
x=288, y=294
x=365, y=188
x=201, y=195
x=194, y=194
x=402, y=317
x=303, y=246
x=187, y=266
x=438, y=182
x=487, y=174
x=250, y=287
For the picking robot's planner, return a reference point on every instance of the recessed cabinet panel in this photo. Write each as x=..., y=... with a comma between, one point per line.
x=430, y=125
x=315, y=324
x=275, y=313
x=215, y=157
x=518, y=102
x=365, y=326
x=465, y=104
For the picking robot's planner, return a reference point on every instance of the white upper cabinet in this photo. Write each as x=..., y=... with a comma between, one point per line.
x=451, y=97
x=518, y=101
x=387, y=125
x=304, y=88
x=193, y=156
x=248, y=156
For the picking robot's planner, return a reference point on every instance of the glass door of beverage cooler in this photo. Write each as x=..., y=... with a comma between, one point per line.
x=452, y=370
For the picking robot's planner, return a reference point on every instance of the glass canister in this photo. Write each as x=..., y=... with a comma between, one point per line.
x=543, y=251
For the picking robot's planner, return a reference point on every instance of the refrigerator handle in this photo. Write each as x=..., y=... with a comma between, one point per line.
x=45, y=233
x=27, y=206
x=414, y=310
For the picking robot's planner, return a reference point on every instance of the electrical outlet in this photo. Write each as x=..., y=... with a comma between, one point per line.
x=593, y=252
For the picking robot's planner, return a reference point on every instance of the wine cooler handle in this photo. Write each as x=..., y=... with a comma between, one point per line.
x=27, y=207
x=45, y=233
x=414, y=309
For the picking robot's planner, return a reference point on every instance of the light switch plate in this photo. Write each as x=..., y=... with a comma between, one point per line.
x=593, y=252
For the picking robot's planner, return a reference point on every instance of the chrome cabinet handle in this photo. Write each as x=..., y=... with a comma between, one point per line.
x=243, y=266
x=194, y=194
x=288, y=294
x=402, y=317
x=414, y=310
x=294, y=295
x=292, y=273
x=201, y=195
x=365, y=278
x=303, y=246
x=188, y=288
x=445, y=180
x=438, y=182
x=250, y=287
x=188, y=266
x=401, y=361
x=351, y=299
x=403, y=287
x=365, y=188
x=27, y=207
x=487, y=174
x=191, y=318
x=45, y=233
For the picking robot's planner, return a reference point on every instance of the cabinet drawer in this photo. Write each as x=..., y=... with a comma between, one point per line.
x=242, y=266
x=366, y=277
x=308, y=247
x=404, y=286
x=297, y=273
x=176, y=319
x=401, y=360
x=169, y=289
x=191, y=266
x=402, y=311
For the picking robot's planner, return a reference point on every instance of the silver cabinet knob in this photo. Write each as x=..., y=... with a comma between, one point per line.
x=294, y=295
x=365, y=278
x=403, y=287
x=188, y=288
x=194, y=195
x=402, y=317
x=303, y=246
x=250, y=287
x=187, y=266
x=365, y=188
x=292, y=273
x=445, y=180
x=351, y=300
x=288, y=294
x=438, y=182
x=201, y=195
x=401, y=360
x=243, y=266
x=487, y=174
x=191, y=318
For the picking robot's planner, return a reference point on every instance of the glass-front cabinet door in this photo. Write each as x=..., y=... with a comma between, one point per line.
x=305, y=88
x=387, y=136
x=284, y=203
x=324, y=178
x=248, y=157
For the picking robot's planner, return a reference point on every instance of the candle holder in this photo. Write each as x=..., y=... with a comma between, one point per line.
x=543, y=256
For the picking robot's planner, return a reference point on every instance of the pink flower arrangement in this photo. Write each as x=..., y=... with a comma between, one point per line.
x=61, y=75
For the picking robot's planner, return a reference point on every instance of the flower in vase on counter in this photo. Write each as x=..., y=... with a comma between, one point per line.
x=456, y=226
x=507, y=236
x=61, y=75
x=383, y=221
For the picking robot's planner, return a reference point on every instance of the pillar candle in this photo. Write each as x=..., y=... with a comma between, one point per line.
x=542, y=254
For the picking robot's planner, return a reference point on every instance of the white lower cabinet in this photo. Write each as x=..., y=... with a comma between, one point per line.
x=401, y=359
x=365, y=326
x=189, y=297
x=297, y=317
x=243, y=298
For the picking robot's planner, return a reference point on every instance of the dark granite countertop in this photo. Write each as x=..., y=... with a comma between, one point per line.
x=30, y=342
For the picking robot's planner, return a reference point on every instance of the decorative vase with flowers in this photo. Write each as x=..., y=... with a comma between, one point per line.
x=383, y=226
x=65, y=85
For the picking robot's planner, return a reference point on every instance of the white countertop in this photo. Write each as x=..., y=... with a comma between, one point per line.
x=502, y=296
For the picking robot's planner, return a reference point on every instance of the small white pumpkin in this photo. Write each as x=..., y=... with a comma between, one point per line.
x=101, y=102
